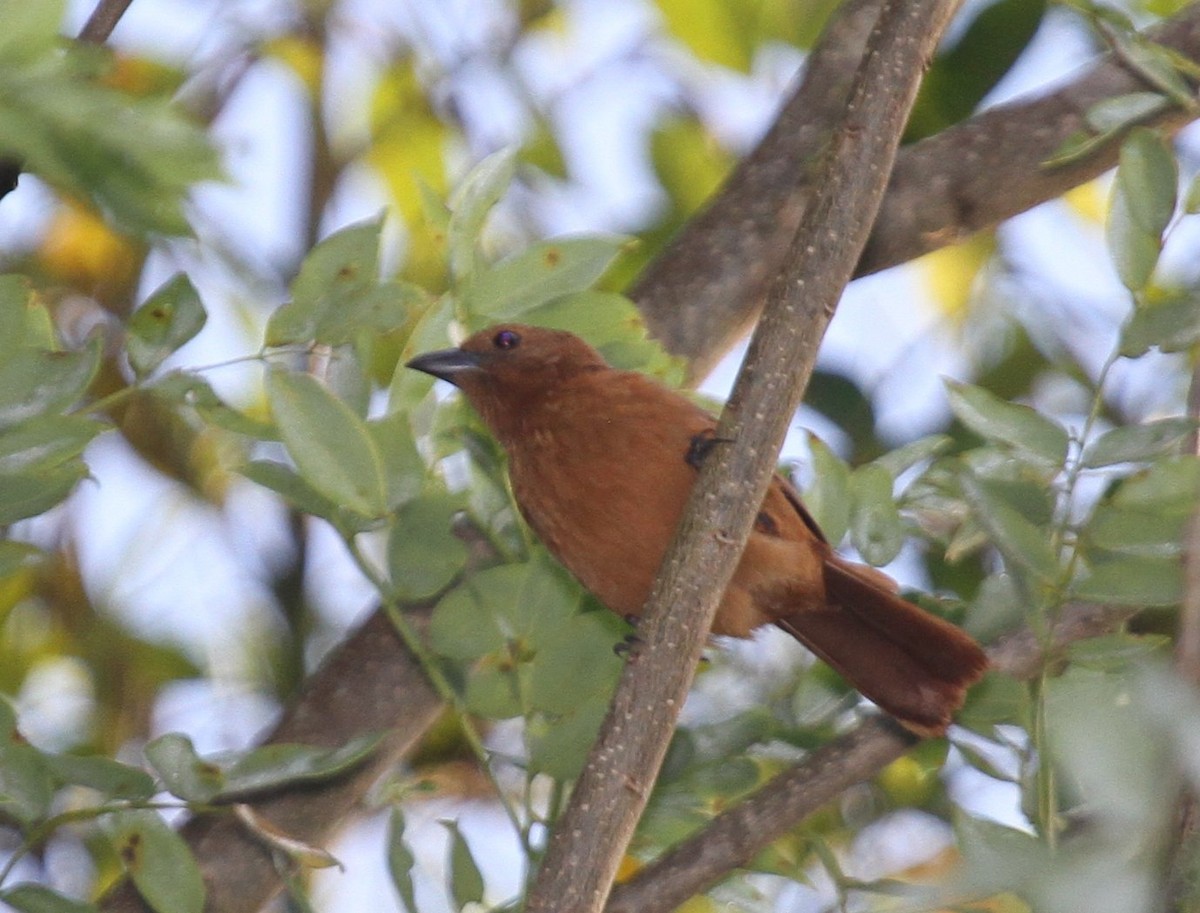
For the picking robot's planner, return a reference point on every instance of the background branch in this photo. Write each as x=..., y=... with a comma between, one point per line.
x=702, y=293
x=589, y=839
x=736, y=836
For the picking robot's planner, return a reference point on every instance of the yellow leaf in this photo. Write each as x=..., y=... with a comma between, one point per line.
x=689, y=162
x=79, y=248
x=717, y=31
x=1089, y=201
x=304, y=56
x=950, y=274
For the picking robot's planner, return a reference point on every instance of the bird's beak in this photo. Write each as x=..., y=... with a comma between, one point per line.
x=446, y=364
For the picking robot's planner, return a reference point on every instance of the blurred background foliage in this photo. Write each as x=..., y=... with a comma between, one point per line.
x=233, y=197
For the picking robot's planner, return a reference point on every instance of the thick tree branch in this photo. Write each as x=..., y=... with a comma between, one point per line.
x=589, y=839
x=706, y=288
x=737, y=835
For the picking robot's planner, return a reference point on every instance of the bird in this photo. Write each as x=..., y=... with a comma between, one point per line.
x=601, y=463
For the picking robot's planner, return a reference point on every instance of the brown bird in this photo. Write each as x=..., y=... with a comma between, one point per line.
x=602, y=462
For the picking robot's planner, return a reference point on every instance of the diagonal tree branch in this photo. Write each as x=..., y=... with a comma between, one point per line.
x=103, y=20
x=735, y=836
x=590, y=837
x=706, y=288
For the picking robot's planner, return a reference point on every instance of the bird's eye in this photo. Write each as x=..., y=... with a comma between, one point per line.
x=506, y=339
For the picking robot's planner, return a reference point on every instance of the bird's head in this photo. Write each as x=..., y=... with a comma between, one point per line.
x=505, y=369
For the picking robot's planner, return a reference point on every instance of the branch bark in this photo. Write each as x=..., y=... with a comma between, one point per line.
x=590, y=838
x=737, y=835
x=706, y=288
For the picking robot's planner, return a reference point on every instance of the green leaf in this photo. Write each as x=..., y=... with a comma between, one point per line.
x=909, y=455
x=493, y=690
x=1171, y=486
x=875, y=525
x=402, y=464
x=996, y=609
x=340, y=270
x=333, y=451
x=29, y=28
x=108, y=777
x=466, y=881
x=135, y=157
x=1022, y=543
x=26, y=789
x=1172, y=324
x=34, y=382
x=28, y=494
x=521, y=604
x=400, y=861
x=470, y=204
x=828, y=495
x=1134, y=250
x=44, y=442
x=574, y=666
x=184, y=773
x=424, y=555
x=158, y=860
x=1120, y=111
x=169, y=318
x=36, y=898
x=1132, y=581
x=1147, y=533
x=1138, y=443
x=558, y=746
x=1016, y=426
x=540, y=274
x=273, y=766
x=1112, y=652
x=1148, y=180
x=300, y=494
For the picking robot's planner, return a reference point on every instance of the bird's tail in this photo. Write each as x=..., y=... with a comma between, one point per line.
x=913, y=664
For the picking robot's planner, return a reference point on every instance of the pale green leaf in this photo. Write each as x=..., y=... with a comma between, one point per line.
x=44, y=442
x=333, y=450
x=400, y=861
x=1134, y=250
x=875, y=525
x=1172, y=324
x=1019, y=427
x=169, y=318
x=424, y=555
x=1021, y=542
x=33, y=382
x=1148, y=179
x=1132, y=581
x=827, y=497
x=466, y=881
x=539, y=274
x=36, y=898
x=470, y=204
x=158, y=860
x=1138, y=443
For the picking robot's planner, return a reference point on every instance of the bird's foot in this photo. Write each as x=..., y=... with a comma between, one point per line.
x=626, y=647
x=701, y=446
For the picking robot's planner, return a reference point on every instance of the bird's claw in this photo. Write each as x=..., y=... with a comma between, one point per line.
x=626, y=647
x=701, y=445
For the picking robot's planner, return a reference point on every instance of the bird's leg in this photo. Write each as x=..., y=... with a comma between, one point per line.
x=701, y=445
